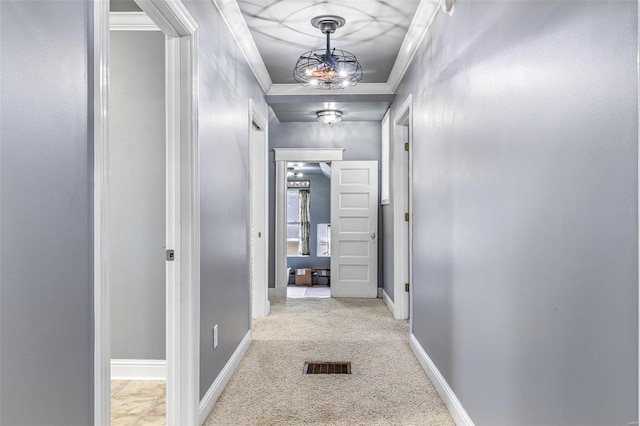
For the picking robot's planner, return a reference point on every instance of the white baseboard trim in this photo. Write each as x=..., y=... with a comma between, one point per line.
x=272, y=293
x=380, y=292
x=280, y=292
x=220, y=383
x=449, y=398
x=138, y=369
x=388, y=301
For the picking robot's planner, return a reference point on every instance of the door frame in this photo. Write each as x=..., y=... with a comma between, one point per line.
x=282, y=157
x=259, y=293
x=402, y=189
x=183, y=298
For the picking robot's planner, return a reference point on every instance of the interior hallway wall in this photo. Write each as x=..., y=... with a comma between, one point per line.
x=46, y=184
x=137, y=240
x=360, y=139
x=225, y=85
x=526, y=208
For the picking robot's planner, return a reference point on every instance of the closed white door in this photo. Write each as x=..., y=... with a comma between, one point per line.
x=258, y=223
x=354, y=229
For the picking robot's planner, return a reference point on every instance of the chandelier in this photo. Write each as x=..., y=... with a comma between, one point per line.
x=329, y=116
x=330, y=68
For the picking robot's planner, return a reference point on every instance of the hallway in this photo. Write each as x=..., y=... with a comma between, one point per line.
x=387, y=385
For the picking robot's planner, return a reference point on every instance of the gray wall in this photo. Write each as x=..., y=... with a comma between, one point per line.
x=360, y=139
x=137, y=236
x=320, y=211
x=525, y=209
x=46, y=358
x=225, y=85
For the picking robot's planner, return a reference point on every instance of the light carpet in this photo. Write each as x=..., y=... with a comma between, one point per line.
x=387, y=385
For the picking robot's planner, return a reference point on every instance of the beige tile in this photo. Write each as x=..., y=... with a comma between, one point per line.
x=152, y=421
x=124, y=420
x=159, y=409
x=144, y=388
x=130, y=405
x=116, y=385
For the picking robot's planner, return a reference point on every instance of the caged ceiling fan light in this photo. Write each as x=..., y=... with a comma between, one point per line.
x=330, y=68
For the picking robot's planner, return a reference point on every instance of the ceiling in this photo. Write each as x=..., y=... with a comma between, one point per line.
x=374, y=31
x=383, y=35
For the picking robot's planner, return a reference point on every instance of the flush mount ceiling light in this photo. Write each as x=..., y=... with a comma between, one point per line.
x=330, y=68
x=329, y=116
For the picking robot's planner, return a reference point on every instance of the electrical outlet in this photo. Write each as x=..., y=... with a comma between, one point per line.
x=215, y=336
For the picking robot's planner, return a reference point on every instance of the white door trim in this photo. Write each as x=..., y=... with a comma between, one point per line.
x=282, y=156
x=183, y=298
x=402, y=184
x=259, y=217
x=102, y=330
x=131, y=21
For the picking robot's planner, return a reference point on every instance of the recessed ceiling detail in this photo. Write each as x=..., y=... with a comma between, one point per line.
x=374, y=32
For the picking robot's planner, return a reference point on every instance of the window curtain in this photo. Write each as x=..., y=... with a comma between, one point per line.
x=305, y=222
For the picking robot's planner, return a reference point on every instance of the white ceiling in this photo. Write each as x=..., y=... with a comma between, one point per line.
x=383, y=35
x=374, y=32
x=272, y=34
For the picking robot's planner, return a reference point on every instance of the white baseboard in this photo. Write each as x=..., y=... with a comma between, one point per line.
x=449, y=398
x=220, y=383
x=272, y=293
x=279, y=292
x=388, y=301
x=138, y=369
x=380, y=291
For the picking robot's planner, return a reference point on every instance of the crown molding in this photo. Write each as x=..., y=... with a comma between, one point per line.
x=234, y=20
x=420, y=25
x=422, y=21
x=359, y=89
x=131, y=21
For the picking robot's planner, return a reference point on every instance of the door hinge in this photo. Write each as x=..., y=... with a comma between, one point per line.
x=406, y=287
x=171, y=255
x=406, y=217
x=406, y=146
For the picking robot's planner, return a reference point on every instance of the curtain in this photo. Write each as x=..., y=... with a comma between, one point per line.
x=305, y=222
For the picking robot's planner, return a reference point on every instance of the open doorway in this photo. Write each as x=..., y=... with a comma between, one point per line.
x=308, y=230
x=354, y=221
x=137, y=235
x=174, y=245
x=402, y=222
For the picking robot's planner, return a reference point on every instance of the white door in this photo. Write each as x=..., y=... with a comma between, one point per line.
x=354, y=229
x=258, y=221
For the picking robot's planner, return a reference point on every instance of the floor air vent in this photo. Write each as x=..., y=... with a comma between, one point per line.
x=327, y=368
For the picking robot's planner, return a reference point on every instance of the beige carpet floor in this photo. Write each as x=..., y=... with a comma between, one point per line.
x=387, y=385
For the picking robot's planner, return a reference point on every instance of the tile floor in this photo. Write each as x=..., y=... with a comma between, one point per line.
x=138, y=402
x=303, y=292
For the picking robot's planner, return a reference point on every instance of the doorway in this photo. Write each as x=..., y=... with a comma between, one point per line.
x=284, y=156
x=402, y=207
x=137, y=271
x=181, y=246
x=308, y=230
x=349, y=194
